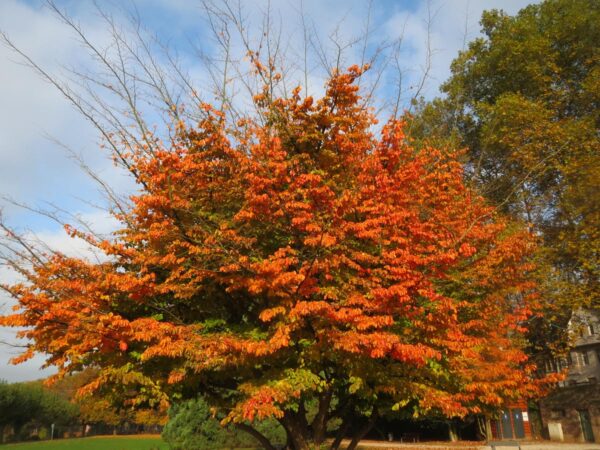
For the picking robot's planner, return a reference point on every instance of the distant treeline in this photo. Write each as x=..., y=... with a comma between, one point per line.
x=33, y=411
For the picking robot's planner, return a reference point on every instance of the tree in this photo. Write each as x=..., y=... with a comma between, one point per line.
x=6, y=403
x=22, y=403
x=192, y=425
x=91, y=409
x=289, y=259
x=29, y=403
x=523, y=100
x=54, y=409
x=103, y=410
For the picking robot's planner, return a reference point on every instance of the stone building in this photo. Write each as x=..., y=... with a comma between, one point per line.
x=572, y=411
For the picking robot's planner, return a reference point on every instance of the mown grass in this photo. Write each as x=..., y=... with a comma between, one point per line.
x=95, y=443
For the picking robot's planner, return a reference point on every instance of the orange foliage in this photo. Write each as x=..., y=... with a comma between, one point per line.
x=292, y=256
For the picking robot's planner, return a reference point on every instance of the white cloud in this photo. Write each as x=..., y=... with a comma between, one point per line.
x=453, y=24
x=30, y=106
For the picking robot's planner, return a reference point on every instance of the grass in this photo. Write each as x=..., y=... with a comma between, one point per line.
x=145, y=442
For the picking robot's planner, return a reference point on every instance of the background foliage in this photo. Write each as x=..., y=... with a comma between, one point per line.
x=524, y=102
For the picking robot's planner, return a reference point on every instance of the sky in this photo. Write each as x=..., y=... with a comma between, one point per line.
x=38, y=125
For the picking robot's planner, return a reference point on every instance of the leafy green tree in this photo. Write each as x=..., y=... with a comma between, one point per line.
x=21, y=404
x=55, y=409
x=7, y=401
x=30, y=403
x=192, y=425
x=523, y=99
x=26, y=407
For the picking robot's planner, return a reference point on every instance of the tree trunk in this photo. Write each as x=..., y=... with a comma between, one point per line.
x=300, y=417
x=485, y=427
x=363, y=431
x=256, y=435
x=319, y=423
x=17, y=430
x=341, y=432
x=488, y=429
x=296, y=432
x=452, y=432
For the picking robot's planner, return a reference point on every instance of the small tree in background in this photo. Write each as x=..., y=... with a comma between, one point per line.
x=193, y=426
x=102, y=411
x=25, y=407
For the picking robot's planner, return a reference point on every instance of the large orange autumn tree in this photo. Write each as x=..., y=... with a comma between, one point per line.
x=297, y=262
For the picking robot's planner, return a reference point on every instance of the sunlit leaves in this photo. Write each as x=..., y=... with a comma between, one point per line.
x=302, y=258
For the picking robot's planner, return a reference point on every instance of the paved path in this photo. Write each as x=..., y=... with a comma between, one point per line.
x=556, y=446
x=381, y=445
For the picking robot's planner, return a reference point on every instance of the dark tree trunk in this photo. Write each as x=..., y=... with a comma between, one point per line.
x=300, y=416
x=319, y=423
x=341, y=432
x=452, y=431
x=256, y=435
x=295, y=429
x=17, y=426
x=363, y=431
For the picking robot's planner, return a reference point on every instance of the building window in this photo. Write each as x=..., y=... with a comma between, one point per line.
x=558, y=364
x=557, y=414
x=562, y=363
x=575, y=359
x=580, y=359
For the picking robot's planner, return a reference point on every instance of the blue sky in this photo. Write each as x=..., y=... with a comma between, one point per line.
x=36, y=170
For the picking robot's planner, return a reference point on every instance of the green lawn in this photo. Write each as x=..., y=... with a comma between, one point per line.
x=95, y=443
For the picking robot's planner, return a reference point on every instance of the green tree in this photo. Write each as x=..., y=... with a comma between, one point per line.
x=6, y=403
x=55, y=409
x=30, y=403
x=192, y=425
x=523, y=99
x=26, y=406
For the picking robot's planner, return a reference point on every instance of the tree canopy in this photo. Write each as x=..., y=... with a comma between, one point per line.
x=193, y=426
x=523, y=100
x=29, y=403
x=290, y=260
